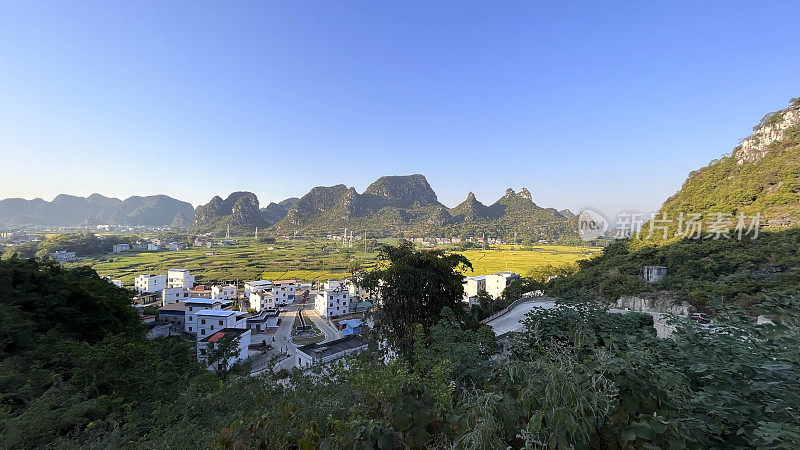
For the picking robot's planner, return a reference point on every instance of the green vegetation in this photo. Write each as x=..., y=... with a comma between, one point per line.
x=414, y=285
x=767, y=184
x=699, y=271
x=577, y=377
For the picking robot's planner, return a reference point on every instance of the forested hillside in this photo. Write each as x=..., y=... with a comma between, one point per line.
x=77, y=371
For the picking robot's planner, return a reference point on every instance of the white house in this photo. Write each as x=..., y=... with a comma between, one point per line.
x=194, y=306
x=180, y=278
x=172, y=295
x=209, y=321
x=496, y=283
x=224, y=292
x=472, y=287
x=319, y=353
x=256, y=286
x=264, y=300
x=284, y=291
x=64, y=256
x=332, y=302
x=116, y=248
x=150, y=283
x=205, y=345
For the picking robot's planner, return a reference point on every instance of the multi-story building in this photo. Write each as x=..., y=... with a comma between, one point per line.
x=284, y=291
x=209, y=321
x=172, y=295
x=173, y=314
x=116, y=248
x=64, y=256
x=332, y=302
x=224, y=292
x=256, y=286
x=472, y=287
x=150, y=283
x=313, y=354
x=206, y=344
x=194, y=306
x=496, y=283
x=180, y=278
x=264, y=300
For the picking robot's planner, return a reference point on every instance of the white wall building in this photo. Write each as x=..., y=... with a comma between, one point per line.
x=256, y=286
x=284, y=291
x=180, y=278
x=205, y=345
x=64, y=256
x=224, y=292
x=496, y=283
x=150, y=283
x=260, y=301
x=472, y=287
x=208, y=321
x=194, y=306
x=324, y=353
x=172, y=295
x=332, y=302
x=116, y=248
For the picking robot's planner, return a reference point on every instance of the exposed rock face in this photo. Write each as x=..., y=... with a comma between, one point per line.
x=403, y=191
x=526, y=194
x=239, y=211
x=274, y=212
x=772, y=129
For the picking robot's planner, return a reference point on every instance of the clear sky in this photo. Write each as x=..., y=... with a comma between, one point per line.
x=601, y=104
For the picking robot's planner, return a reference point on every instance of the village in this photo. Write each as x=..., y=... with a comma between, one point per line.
x=283, y=324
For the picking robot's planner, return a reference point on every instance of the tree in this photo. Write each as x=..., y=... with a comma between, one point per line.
x=218, y=354
x=414, y=286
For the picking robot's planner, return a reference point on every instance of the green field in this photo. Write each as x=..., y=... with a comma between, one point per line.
x=304, y=260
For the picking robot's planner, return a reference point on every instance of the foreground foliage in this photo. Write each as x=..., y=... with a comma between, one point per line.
x=576, y=377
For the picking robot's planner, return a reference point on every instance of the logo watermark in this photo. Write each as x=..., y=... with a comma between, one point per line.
x=593, y=225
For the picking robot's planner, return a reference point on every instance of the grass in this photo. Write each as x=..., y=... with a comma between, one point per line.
x=304, y=260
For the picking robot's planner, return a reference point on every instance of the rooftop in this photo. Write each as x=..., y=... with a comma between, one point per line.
x=284, y=282
x=202, y=301
x=215, y=312
x=259, y=283
x=232, y=332
x=331, y=348
x=177, y=306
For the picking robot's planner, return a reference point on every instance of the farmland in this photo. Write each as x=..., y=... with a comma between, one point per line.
x=304, y=260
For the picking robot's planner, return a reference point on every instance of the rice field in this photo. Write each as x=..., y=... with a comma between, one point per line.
x=304, y=260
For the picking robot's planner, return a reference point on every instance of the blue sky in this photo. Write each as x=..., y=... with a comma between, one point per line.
x=601, y=104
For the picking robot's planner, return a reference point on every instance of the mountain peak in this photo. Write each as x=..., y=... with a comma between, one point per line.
x=403, y=190
x=526, y=194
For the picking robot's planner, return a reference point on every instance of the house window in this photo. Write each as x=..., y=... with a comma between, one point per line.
x=203, y=332
x=190, y=309
x=220, y=322
x=203, y=321
x=212, y=327
x=190, y=328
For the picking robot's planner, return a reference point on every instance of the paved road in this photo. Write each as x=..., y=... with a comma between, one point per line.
x=512, y=320
x=331, y=333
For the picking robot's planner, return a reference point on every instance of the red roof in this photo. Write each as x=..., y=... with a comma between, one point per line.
x=216, y=336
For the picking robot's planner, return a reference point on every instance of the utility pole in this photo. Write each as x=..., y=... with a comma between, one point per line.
x=365, y=241
x=256, y=232
x=484, y=241
x=228, y=233
x=515, y=241
x=344, y=238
